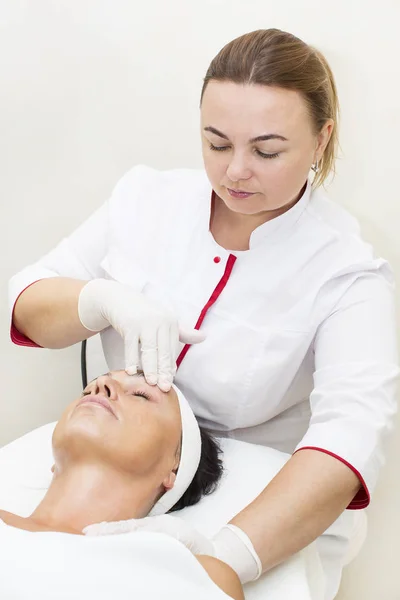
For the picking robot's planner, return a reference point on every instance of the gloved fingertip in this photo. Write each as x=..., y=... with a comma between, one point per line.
x=151, y=379
x=164, y=385
x=200, y=336
x=93, y=529
x=132, y=370
x=192, y=336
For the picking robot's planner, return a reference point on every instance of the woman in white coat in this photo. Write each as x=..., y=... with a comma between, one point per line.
x=296, y=316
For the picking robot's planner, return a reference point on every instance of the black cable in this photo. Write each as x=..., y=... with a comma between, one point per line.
x=83, y=364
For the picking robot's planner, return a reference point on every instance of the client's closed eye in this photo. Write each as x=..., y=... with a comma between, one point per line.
x=142, y=395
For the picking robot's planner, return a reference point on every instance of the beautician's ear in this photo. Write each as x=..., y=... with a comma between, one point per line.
x=169, y=481
x=323, y=138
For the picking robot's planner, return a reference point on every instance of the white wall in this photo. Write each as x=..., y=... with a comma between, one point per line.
x=89, y=88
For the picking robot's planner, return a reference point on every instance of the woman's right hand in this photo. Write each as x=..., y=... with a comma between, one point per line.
x=151, y=334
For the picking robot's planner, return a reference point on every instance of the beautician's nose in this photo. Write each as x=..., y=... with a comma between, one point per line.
x=238, y=169
x=106, y=386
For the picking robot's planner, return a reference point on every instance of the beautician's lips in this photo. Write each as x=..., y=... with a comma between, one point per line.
x=239, y=194
x=99, y=400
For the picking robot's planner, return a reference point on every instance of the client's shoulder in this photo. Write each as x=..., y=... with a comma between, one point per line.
x=13, y=520
x=223, y=575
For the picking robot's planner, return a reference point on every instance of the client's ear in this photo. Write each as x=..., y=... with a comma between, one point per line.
x=169, y=481
x=53, y=468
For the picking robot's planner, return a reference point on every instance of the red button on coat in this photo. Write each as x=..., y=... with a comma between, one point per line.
x=217, y=259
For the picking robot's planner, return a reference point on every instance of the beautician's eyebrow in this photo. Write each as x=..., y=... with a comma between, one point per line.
x=259, y=138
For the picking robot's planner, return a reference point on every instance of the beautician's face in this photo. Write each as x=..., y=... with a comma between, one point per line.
x=121, y=421
x=275, y=170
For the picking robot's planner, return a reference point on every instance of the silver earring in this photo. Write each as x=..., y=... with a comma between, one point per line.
x=315, y=167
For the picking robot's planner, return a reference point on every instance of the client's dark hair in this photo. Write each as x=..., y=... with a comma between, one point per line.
x=208, y=474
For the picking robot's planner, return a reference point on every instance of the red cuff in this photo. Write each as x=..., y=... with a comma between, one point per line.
x=362, y=498
x=16, y=336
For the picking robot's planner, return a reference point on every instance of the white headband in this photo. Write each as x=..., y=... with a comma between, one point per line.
x=189, y=460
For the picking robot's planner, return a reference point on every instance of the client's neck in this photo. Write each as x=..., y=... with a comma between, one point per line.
x=86, y=494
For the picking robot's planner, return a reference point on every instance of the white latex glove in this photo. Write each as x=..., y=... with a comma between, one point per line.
x=138, y=320
x=231, y=544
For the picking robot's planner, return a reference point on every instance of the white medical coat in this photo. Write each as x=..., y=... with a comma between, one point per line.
x=301, y=336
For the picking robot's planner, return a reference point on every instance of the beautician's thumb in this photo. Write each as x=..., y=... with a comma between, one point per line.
x=191, y=336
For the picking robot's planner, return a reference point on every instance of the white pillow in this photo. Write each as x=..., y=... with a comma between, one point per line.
x=25, y=474
x=248, y=468
x=25, y=464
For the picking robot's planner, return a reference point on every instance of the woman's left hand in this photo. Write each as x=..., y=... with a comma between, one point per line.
x=175, y=527
x=231, y=544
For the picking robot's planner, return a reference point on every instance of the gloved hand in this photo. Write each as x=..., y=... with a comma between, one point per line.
x=173, y=526
x=138, y=320
x=231, y=544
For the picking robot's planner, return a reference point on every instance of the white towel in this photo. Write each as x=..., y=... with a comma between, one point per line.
x=145, y=566
x=149, y=566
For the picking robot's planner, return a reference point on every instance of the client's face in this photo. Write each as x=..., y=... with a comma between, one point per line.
x=122, y=422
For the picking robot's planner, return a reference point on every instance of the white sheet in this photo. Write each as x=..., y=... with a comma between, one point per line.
x=52, y=566
x=25, y=474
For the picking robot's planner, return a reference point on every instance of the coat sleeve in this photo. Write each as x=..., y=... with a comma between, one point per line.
x=356, y=370
x=78, y=256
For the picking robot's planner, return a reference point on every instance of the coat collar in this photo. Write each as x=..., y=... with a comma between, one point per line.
x=269, y=230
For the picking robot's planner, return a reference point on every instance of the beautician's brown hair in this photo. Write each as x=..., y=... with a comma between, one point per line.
x=276, y=58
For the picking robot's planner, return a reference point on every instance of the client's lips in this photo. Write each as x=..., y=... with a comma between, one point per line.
x=99, y=400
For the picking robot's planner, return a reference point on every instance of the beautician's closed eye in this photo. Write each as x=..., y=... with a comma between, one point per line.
x=258, y=152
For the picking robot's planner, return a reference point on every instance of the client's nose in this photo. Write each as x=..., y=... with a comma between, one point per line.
x=106, y=386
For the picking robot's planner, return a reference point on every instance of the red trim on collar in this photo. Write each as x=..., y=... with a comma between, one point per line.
x=362, y=498
x=213, y=298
